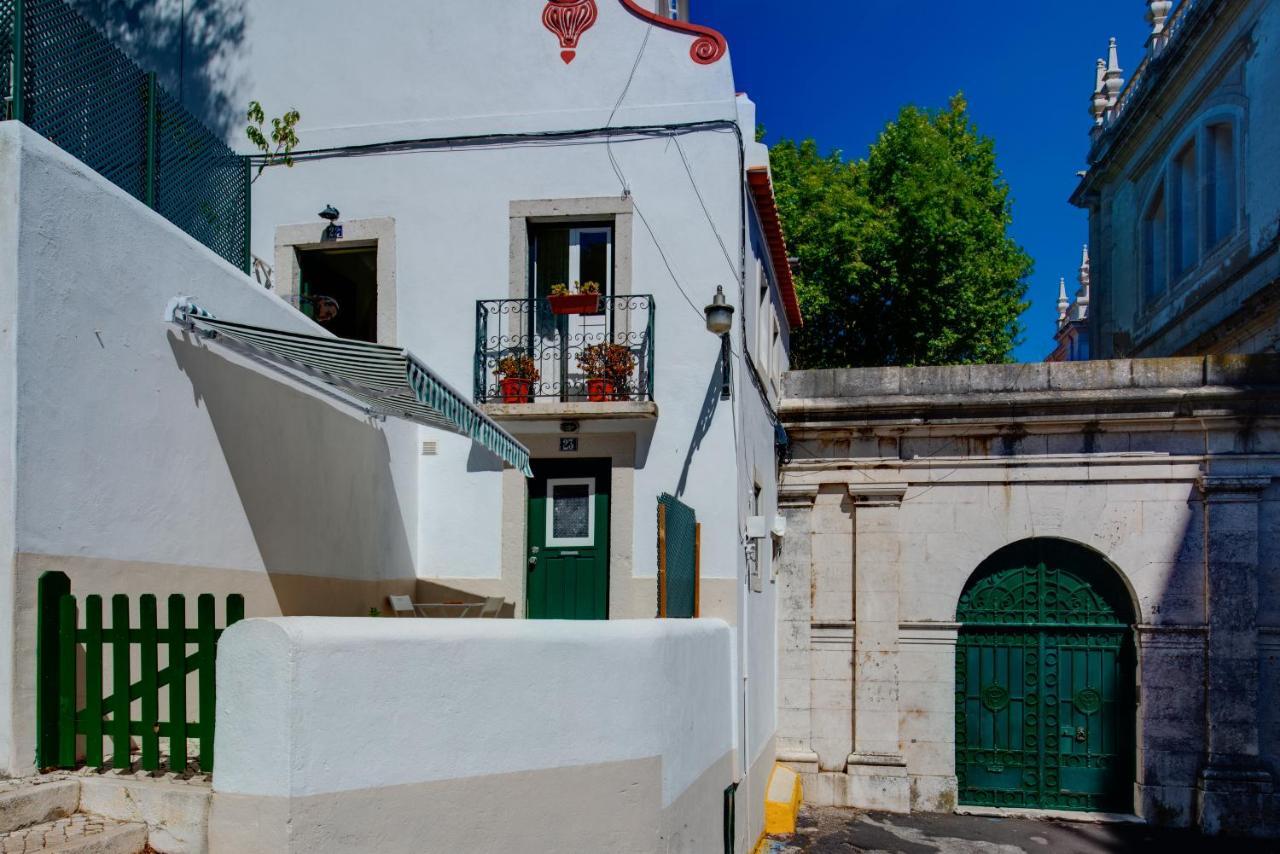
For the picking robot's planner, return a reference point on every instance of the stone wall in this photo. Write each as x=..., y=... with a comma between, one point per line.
x=903, y=481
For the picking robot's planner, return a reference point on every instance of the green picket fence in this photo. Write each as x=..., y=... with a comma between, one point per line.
x=70, y=698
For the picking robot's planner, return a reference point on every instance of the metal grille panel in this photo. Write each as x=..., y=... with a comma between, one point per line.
x=78, y=90
x=202, y=185
x=681, y=556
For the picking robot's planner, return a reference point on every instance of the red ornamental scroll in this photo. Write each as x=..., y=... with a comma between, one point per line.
x=709, y=46
x=568, y=20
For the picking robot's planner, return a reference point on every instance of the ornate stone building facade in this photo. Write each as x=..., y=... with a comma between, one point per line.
x=1183, y=186
x=1036, y=586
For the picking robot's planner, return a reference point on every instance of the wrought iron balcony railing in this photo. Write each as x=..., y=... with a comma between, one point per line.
x=560, y=349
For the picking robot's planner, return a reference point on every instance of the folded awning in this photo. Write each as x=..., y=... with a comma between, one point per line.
x=386, y=380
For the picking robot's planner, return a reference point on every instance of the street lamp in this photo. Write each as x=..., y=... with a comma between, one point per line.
x=720, y=322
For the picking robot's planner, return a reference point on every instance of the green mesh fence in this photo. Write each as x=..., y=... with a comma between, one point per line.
x=678, y=539
x=82, y=93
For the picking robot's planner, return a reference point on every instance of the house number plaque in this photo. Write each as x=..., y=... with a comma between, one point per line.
x=568, y=444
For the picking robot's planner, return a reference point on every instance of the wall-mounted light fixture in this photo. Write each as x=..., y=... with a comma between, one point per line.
x=332, y=231
x=720, y=322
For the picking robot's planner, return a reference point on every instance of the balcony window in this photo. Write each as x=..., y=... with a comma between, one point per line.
x=567, y=254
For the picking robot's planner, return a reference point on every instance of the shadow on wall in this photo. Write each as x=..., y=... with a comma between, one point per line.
x=315, y=484
x=189, y=44
x=706, y=415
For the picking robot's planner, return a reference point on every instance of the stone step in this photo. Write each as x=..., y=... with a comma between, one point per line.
x=23, y=803
x=81, y=833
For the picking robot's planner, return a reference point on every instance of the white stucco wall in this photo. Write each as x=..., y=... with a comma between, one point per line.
x=145, y=461
x=400, y=69
x=326, y=725
x=10, y=169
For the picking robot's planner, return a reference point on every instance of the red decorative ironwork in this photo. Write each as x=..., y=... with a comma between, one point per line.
x=568, y=20
x=709, y=46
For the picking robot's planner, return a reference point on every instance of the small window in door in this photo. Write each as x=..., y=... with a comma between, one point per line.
x=571, y=514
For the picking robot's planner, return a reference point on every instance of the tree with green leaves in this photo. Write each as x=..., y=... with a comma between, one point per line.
x=905, y=256
x=284, y=137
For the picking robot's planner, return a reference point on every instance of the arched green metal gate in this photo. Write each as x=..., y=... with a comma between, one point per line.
x=1044, y=682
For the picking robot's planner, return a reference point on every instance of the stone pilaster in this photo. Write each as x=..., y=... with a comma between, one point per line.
x=1236, y=792
x=795, y=610
x=876, y=768
x=1171, y=722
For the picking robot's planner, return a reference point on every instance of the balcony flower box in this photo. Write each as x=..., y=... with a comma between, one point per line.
x=574, y=303
x=583, y=299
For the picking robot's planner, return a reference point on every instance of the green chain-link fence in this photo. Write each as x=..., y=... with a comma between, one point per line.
x=65, y=80
x=678, y=545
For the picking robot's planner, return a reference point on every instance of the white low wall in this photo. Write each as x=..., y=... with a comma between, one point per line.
x=472, y=735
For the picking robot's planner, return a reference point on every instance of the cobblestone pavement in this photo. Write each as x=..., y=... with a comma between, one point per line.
x=54, y=833
x=829, y=830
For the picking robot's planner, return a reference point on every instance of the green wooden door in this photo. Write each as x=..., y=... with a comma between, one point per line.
x=568, y=549
x=1044, y=708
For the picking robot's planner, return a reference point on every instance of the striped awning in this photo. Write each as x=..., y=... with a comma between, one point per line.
x=386, y=380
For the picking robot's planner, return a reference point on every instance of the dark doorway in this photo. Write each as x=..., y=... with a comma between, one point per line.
x=339, y=290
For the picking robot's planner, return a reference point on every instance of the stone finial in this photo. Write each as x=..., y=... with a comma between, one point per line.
x=1157, y=17
x=1081, y=304
x=1098, y=103
x=1113, y=79
x=1063, y=304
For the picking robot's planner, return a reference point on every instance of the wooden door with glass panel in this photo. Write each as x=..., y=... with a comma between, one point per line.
x=568, y=548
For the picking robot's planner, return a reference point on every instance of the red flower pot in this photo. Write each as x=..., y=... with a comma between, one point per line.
x=598, y=391
x=515, y=390
x=574, y=303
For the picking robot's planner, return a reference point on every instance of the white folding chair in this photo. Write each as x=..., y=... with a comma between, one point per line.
x=402, y=606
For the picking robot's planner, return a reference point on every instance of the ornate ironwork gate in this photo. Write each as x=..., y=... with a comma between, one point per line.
x=1044, y=686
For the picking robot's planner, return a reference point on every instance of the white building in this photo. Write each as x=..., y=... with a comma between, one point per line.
x=478, y=156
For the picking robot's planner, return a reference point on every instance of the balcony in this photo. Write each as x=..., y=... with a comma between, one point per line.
x=557, y=346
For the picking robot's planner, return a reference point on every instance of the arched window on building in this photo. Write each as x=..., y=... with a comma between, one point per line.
x=1154, y=251
x=1220, y=182
x=1184, y=222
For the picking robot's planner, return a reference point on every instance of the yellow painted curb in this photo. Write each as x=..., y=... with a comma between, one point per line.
x=782, y=801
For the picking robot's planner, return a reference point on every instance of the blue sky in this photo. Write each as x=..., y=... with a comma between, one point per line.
x=837, y=70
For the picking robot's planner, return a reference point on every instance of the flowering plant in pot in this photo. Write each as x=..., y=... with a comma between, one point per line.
x=516, y=375
x=608, y=368
x=583, y=298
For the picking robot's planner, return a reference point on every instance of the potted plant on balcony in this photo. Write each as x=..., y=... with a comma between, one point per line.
x=608, y=368
x=516, y=375
x=582, y=299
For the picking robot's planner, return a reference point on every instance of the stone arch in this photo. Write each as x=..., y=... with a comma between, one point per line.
x=1107, y=578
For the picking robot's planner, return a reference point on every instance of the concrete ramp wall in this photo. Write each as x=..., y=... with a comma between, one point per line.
x=339, y=734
